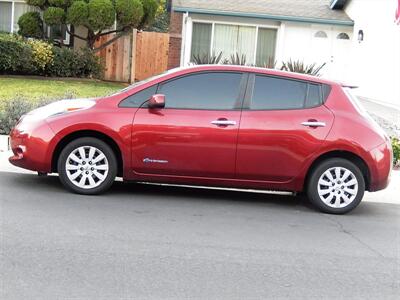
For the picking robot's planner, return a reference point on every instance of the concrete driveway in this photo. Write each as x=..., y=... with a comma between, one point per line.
x=155, y=242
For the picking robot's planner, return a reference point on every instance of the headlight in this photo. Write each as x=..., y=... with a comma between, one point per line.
x=57, y=108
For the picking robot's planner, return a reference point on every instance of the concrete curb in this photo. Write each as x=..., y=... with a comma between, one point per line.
x=4, y=143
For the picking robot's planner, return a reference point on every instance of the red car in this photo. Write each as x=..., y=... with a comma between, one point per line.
x=226, y=126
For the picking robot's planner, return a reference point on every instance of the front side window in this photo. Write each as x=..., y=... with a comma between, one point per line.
x=212, y=91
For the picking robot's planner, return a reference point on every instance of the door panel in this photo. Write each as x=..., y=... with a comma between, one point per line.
x=273, y=145
x=283, y=124
x=184, y=142
x=196, y=133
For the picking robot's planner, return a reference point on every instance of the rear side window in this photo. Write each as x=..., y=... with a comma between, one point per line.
x=137, y=99
x=213, y=91
x=313, y=97
x=273, y=93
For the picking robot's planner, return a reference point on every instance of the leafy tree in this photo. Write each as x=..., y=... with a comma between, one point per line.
x=97, y=16
x=161, y=20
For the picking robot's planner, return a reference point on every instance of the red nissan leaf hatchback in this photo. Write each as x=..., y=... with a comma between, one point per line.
x=225, y=126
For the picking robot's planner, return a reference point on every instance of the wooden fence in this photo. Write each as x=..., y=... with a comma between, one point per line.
x=134, y=57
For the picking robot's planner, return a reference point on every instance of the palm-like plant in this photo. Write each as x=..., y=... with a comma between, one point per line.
x=207, y=59
x=300, y=67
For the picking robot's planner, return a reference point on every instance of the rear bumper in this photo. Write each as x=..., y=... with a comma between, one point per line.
x=381, y=163
x=30, y=144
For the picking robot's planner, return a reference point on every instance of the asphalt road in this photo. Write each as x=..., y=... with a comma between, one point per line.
x=154, y=242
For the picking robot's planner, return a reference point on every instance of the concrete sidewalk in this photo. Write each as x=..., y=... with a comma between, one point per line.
x=387, y=116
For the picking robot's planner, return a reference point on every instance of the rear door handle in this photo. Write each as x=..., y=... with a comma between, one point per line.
x=223, y=122
x=314, y=124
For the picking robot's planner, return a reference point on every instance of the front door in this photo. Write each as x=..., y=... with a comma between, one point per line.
x=282, y=125
x=196, y=133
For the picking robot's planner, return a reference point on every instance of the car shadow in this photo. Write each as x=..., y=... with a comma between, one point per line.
x=125, y=191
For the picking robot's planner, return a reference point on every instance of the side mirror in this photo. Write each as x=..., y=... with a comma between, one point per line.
x=157, y=101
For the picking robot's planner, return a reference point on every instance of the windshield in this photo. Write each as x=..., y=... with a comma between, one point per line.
x=145, y=80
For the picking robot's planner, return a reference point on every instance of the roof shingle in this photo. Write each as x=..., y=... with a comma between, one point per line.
x=308, y=9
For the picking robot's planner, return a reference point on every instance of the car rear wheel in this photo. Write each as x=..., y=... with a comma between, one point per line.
x=336, y=186
x=87, y=166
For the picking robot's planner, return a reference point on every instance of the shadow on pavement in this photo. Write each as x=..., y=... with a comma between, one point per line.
x=127, y=191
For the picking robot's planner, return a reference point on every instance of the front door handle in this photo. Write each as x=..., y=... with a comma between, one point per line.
x=223, y=122
x=314, y=124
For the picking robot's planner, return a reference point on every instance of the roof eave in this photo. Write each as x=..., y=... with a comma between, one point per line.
x=263, y=16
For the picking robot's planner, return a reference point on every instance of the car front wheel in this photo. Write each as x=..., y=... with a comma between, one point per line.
x=87, y=166
x=336, y=186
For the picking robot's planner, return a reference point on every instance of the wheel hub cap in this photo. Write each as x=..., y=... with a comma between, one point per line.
x=337, y=187
x=87, y=167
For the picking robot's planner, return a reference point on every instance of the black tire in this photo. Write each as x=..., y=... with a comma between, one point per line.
x=319, y=170
x=88, y=142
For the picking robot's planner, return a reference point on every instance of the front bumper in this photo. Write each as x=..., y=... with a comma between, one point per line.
x=31, y=146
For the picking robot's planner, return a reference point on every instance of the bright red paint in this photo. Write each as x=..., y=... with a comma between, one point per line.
x=265, y=149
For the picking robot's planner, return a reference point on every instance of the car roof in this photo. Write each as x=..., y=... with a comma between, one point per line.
x=266, y=71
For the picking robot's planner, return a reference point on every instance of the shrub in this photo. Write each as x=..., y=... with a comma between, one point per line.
x=42, y=54
x=396, y=150
x=35, y=57
x=30, y=25
x=15, y=56
x=11, y=113
x=15, y=108
x=69, y=63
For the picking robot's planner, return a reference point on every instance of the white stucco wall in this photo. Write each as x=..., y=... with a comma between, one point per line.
x=376, y=60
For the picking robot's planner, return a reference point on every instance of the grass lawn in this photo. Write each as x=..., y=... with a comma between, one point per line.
x=36, y=89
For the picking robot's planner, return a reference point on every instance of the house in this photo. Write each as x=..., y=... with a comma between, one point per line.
x=358, y=40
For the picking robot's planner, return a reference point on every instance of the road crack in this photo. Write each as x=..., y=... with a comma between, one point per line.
x=353, y=236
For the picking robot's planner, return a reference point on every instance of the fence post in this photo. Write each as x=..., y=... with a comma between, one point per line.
x=132, y=57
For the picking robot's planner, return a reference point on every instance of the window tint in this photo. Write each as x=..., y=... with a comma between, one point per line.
x=137, y=99
x=314, y=95
x=217, y=91
x=277, y=93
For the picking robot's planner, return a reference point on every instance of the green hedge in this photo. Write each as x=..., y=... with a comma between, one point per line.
x=19, y=56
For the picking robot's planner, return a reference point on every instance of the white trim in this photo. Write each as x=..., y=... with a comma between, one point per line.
x=255, y=46
x=280, y=43
x=187, y=44
x=12, y=16
x=211, y=39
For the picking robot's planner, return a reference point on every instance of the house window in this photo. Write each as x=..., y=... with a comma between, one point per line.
x=321, y=34
x=257, y=44
x=343, y=36
x=10, y=11
x=58, y=33
x=5, y=16
x=266, y=44
x=201, y=40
